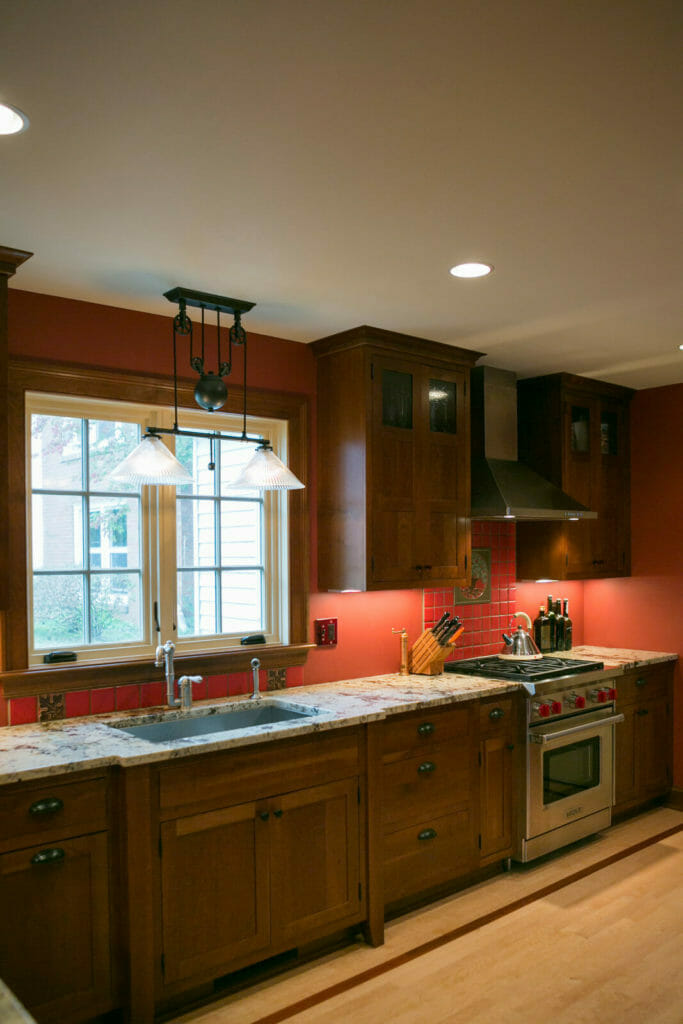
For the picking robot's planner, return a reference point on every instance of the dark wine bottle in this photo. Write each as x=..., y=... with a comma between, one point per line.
x=559, y=626
x=551, y=616
x=541, y=629
x=568, y=628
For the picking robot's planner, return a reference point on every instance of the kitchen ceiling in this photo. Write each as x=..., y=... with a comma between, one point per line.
x=332, y=160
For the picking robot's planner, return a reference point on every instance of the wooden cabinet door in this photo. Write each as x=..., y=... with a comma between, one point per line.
x=314, y=860
x=55, y=935
x=651, y=730
x=443, y=478
x=624, y=758
x=215, y=894
x=495, y=796
x=393, y=531
x=580, y=478
x=420, y=475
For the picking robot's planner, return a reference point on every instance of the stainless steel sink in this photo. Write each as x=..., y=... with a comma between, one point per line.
x=239, y=717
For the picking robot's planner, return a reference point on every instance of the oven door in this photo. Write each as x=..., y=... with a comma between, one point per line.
x=570, y=769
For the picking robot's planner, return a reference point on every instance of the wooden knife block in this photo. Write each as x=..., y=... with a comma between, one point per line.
x=427, y=655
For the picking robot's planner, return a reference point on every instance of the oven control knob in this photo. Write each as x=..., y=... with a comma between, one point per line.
x=599, y=696
x=612, y=693
x=556, y=707
x=542, y=710
x=576, y=701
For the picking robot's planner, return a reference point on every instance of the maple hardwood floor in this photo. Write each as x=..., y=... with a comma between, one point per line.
x=605, y=948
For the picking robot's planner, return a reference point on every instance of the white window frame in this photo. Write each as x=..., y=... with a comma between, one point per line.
x=158, y=528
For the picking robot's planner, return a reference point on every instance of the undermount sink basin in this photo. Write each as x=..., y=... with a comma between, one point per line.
x=240, y=717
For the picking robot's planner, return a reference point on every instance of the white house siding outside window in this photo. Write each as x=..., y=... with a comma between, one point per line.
x=115, y=568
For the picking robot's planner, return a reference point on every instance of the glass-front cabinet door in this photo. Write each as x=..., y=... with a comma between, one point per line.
x=420, y=443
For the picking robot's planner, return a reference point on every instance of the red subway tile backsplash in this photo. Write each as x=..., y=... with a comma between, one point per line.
x=23, y=710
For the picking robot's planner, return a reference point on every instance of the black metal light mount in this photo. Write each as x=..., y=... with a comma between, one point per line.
x=211, y=392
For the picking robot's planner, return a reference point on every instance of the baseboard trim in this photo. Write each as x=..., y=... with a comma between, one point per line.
x=675, y=800
x=441, y=940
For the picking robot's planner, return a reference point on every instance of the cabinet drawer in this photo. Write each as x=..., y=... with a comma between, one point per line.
x=427, y=854
x=423, y=729
x=60, y=809
x=431, y=784
x=251, y=773
x=496, y=716
x=644, y=683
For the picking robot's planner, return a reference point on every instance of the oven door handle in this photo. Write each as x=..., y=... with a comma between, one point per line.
x=549, y=737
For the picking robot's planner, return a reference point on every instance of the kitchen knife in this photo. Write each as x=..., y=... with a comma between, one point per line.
x=452, y=629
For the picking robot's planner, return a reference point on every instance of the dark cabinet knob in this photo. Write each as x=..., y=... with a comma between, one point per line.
x=426, y=767
x=52, y=856
x=642, y=711
x=263, y=815
x=277, y=814
x=427, y=833
x=49, y=805
x=495, y=714
x=510, y=746
x=426, y=728
x=641, y=682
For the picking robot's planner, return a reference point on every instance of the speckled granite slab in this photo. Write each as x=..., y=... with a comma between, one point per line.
x=55, y=748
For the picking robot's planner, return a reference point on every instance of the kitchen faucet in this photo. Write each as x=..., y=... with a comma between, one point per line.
x=164, y=656
x=255, y=665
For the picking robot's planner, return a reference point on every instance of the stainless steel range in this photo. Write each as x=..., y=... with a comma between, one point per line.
x=569, y=750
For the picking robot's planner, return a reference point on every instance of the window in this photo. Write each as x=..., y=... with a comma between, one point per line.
x=116, y=568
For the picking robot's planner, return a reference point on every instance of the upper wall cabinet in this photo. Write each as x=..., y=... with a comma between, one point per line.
x=575, y=431
x=393, y=461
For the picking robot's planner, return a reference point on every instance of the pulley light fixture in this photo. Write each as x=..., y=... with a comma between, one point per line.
x=152, y=462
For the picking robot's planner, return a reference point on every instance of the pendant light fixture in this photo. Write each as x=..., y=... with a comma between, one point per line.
x=151, y=462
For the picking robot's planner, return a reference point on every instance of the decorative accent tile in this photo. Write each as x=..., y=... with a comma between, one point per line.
x=51, y=707
x=77, y=703
x=277, y=679
x=23, y=710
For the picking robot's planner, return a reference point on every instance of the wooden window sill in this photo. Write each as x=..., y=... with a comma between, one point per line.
x=45, y=679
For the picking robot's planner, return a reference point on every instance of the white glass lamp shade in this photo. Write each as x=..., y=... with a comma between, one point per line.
x=265, y=472
x=151, y=463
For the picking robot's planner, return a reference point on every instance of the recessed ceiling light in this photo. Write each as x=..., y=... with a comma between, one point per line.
x=12, y=120
x=471, y=269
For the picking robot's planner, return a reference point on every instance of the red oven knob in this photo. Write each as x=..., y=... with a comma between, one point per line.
x=556, y=707
x=612, y=693
x=599, y=696
x=543, y=710
x=575, y=701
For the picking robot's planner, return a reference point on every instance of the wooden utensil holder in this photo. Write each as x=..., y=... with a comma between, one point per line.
x=427, y=655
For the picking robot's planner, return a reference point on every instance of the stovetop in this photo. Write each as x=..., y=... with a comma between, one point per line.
x=537, y=670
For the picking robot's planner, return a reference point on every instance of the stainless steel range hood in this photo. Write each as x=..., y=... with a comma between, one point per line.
x=503, y=487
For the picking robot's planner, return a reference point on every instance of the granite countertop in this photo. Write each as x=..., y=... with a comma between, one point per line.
x=11, y=1010
x=78, y=744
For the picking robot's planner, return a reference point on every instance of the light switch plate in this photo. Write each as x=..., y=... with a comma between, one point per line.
x=326, y=633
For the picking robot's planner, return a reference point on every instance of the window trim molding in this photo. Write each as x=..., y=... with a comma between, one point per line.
x=89, y=383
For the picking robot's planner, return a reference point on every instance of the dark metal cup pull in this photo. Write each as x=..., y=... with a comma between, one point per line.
x=264, y=815
x=426, y=728
x=427, y=833
x=277, y=814
x=48, y=856
x=426, y=767
x=642, y=711
x=50, y=805
x=496, y=713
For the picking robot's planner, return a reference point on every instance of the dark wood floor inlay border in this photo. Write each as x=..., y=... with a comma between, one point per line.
x=441, y=940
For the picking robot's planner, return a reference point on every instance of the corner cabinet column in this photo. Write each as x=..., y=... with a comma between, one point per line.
x=393, y=461
x=10, y=260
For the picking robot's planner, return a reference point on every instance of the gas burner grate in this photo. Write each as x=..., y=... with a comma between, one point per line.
x=538, y=670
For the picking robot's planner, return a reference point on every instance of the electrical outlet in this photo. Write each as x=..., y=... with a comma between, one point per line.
x=325, y=632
